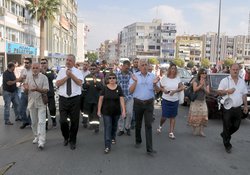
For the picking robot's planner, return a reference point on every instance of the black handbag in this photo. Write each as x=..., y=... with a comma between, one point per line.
x=190, y=93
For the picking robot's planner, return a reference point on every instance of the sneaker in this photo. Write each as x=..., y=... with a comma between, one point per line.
x=113, y=142
x=171, y=135
x=158, y=130
x=35, y=140
x=128, y=132
x=8, y=123
x=41, y=146
x=106, y=150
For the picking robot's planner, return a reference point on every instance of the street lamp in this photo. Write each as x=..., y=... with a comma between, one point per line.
x=218, y=36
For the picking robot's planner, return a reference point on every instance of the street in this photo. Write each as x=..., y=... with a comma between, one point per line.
x=187, y=154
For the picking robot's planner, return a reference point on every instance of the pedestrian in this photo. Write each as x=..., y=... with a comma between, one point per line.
x=198, y=112
x=123, y=78
x=10, y=93
x=111, y=105
x=235, y=88
x=69, y=82
x=143, y=85
x=171, y=86
x=92, y=87
x=35, y=85
x=26, y=71
x=51, y=93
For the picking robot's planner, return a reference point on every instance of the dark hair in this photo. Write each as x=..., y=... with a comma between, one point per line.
x=126, y=62
x=10, y=65
x=201, y=71
x=109, y=75
x=44, y=59
x=28, y=59
x=93, y=65
x=169, y=70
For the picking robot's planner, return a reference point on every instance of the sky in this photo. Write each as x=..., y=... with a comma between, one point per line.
x=106, y=18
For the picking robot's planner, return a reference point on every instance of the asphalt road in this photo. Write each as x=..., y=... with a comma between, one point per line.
x=186, y=155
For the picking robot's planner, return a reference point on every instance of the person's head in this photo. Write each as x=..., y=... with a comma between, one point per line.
x=150, y=68
x=125, y=66
x=35, y=68
x=85, y=65
x=93, y=68
x=135, y=62
x=27, y=63
x=44, y=64
x=234, y=70
x=78, y=65
x=70, y=61
x=11, y=66
x=172, y=71
x=202, y=73
x=111, y=78
x=143, y=66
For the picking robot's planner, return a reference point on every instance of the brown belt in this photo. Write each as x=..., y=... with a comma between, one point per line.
x=151, y=100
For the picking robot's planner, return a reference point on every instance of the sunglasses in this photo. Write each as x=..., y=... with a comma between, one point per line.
x=26, y=62
x=43, y=63
x=112, y=78
x=204, y=73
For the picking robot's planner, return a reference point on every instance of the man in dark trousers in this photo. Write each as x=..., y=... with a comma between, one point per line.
x=10, y=93
x=69, y=82
x=92, y=87
x=51, y=94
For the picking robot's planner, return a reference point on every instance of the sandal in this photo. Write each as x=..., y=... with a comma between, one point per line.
x=158, y=130
x=171, y=135
x=113, y=142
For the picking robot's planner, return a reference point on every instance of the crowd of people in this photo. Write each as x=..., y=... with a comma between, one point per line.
x=123, y=96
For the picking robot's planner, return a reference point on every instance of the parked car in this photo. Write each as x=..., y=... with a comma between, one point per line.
x=212, y=99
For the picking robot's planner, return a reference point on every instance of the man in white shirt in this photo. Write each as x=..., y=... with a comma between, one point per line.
x=235, y=88
x=69, y=82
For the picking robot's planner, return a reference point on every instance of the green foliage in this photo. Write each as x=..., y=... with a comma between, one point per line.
x=92, y=57
x=205, y=62
x=190, y=64
x=153, y=61
x=179, y=62
x=228, y=62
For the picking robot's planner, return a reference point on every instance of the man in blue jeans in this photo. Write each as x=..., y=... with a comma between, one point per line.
x=10, y=93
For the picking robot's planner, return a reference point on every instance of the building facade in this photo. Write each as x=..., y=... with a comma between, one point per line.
x=82, y=30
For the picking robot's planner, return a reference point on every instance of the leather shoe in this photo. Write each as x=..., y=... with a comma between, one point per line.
x=65, y=142
x=8, y=123
x=24, y=125
x=120, y=133
x=128, y=132
x=72, y=146
x=137, y=145
x=228, y=148
x=151, y=153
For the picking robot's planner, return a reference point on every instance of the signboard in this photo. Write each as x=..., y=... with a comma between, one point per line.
x=14, y=48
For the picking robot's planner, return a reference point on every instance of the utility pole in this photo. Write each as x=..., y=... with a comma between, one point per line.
x=218, y=36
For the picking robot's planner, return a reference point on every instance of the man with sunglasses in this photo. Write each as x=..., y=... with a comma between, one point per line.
x=26, y=71
x=92, y=87
x=51, y=94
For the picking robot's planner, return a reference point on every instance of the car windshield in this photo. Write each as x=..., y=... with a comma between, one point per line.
x=183, y=73
x=215, y=80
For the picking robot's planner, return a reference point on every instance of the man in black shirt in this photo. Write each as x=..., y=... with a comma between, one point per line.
x=51, y=94
x=10, y=93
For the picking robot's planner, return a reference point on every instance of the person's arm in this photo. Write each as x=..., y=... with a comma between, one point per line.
x=100, y=101
x=133, y=85
x=60, y=80
x=73, y=77
x=122, y=102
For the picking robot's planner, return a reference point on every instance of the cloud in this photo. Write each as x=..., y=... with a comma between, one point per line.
x=170, y=14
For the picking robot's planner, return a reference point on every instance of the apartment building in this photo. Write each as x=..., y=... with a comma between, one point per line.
x=62, y=34
x=189, y=47
x=82, y=30
x=109, y=51
x=19, y=35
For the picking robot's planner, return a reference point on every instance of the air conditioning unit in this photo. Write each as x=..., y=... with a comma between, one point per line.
x=2, y=11
x=20, y=19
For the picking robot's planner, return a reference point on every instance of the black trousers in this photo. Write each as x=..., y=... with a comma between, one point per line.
x=69, y=108
x=51, y=106
x=146, y=110
x=231, y=123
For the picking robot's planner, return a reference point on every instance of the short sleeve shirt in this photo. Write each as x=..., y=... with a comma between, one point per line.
x=170, y=84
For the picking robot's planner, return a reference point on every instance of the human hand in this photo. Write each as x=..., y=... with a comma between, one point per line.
x=134, y=77
x=69, y=73
x=245, y=110
x=230, y=91
x=172, y=93
x=99, y=114
x=123, y=114
x=156, y=80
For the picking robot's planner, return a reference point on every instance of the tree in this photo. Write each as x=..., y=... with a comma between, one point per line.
x=92, y=57
x=43, y=10
x=205, y=62
x=153, y=61
x=190, y=64
x=179, y=62
x=228, y=62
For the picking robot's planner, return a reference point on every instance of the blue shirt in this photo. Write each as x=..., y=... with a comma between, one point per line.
x=144, y=89
x=123, y=81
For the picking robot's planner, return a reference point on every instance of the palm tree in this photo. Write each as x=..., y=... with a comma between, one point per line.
x=43, y=10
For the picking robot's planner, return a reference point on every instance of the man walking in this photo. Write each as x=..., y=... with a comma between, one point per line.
x=234, y=87
x=142, y=85
x=69, y=82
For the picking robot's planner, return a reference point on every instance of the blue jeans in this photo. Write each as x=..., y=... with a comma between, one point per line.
x=110, y=127
x=9, y=97
x=23, y=108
